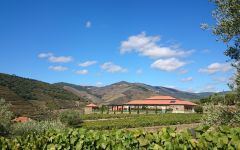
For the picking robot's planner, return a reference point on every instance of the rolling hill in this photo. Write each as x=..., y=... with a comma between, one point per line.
x=123, y=91
x=28, y=95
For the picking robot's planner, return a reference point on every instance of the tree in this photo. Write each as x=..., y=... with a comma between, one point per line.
x=198, y=109
x=230, y=98
x=5, y=117
x=71, y=118
x=217, y=99
x=205, y=100
x=227, y=29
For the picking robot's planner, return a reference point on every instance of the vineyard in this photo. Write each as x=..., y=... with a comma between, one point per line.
x=167, y=138
x=133, y=121
x=115, y=116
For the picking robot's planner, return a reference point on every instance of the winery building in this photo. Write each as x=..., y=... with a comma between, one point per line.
x=162, y=103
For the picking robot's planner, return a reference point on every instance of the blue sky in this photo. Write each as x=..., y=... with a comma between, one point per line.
x=96, y=42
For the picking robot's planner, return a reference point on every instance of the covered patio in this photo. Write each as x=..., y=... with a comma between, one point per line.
x=155, y=104
x=152, y=105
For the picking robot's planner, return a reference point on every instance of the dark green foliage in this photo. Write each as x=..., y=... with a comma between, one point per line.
x=27, y=95
x=44, y=115
x=198, y=109
x=23, y=88
x=71, y=118
x=217, y=99
x=217, y=115
x=205, y=100
x=230, y=98
x=28, y=88
x=5, y=117
x=167, y=138
x=227, y=20
x=36, y=127
x=227, y=27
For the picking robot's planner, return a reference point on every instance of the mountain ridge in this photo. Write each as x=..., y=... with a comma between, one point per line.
x=123, y=91
x=29, y=95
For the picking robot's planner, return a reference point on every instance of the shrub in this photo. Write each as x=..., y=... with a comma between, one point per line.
x=230, y=98
x=71, y=118
x=5, y=117
x=35, y=127
x=198, y=109
x=221, y=115
x=44, y=115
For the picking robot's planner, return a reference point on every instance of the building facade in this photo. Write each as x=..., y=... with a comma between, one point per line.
x=163, y=104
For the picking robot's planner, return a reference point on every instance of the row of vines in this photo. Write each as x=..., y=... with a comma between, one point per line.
x=96, y=116
x=133, y=121
x=167, y=138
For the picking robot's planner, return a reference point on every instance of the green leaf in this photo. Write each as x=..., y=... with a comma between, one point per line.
x=79, y=145
x=173, y=134
x=157, y=147
x=143, y=141
x=51, y=147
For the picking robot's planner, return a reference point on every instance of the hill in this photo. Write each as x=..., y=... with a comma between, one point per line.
x=123, y=91
x=28, y=95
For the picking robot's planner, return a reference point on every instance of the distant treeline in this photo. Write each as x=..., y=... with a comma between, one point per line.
x=230, y=98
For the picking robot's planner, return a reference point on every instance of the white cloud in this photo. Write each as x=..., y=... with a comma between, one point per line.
x=169, y=64
x=110, y=67
x=190, y=89
x=147, y=46
x=82, y=72
x=60, y=59
x=44, y=55
x=99, y=84
x=139, y=71
x=57, y=68
x=187, y=79
x=55, y=59
x=170, y=86
x=87, y=63
x=209, y=88
x=221, y=79
x=88, y=24
x=216, y=67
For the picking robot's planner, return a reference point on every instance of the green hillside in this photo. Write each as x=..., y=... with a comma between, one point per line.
x=122, y=92
x=27, y=95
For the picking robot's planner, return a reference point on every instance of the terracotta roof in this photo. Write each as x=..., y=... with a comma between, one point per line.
x=161, y=98
x=160, y=102
x=22, y=119
x=91, y=105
